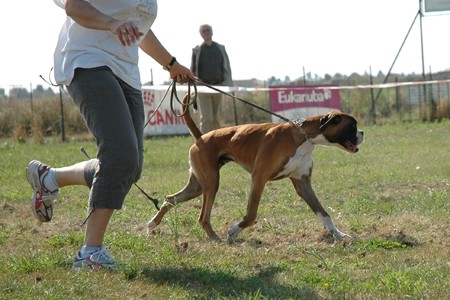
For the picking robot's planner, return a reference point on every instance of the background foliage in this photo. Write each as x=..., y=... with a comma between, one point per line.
x=43, y=112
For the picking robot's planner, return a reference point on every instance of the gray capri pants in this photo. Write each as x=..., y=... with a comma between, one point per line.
x=114, y=113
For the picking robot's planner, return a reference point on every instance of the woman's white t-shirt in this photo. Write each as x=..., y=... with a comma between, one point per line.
x=82, y=47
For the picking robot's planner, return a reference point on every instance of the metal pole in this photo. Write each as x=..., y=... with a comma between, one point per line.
x=234, y=108
x=423, y=59
x=31, y=99
x=398, y=53
x=372, y=110
x=433, y=107
x=304, y=76
x=151, y=76
x=63, y=132
x=409, y=103
x=448, y=100
x=397, y=96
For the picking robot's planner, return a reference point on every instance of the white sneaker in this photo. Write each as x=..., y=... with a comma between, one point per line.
x=41, y=199
x=100, y=259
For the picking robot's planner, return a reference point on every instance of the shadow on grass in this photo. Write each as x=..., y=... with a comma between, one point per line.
x=213, y=284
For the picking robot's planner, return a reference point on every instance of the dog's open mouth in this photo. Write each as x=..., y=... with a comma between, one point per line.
x=353, y=148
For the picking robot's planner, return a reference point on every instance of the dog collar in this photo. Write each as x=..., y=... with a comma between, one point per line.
x=299, y=123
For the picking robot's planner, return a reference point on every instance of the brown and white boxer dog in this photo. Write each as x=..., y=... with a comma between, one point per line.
x=268, y=151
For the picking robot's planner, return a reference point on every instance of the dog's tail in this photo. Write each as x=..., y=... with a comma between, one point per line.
x=193, y=129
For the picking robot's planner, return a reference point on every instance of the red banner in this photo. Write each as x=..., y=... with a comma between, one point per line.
x=162, y=121
x=298, y=102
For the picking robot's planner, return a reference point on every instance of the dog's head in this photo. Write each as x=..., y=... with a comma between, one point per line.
x=341, y=130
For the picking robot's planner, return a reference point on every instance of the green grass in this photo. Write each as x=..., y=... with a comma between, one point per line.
x=392, y=197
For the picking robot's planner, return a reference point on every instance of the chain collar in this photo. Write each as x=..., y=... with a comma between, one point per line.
x=299, y=123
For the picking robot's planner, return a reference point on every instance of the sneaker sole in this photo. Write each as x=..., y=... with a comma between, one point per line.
x=32, y=168
x=91, y=266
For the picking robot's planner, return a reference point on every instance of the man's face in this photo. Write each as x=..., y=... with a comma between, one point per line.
x=206, y=32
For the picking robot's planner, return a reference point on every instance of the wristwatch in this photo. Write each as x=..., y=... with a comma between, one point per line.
x=170, y=65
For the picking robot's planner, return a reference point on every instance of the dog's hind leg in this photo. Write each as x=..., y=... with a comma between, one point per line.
x=190, y=191
x=211, y=186
x=304, y=189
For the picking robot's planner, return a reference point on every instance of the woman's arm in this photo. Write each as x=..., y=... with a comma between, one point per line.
x=153, y=47
x=88, y=16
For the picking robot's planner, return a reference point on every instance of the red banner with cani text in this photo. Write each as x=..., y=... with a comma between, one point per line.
x=160, y=117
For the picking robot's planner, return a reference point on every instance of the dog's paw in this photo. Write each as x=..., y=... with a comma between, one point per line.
x=233, y=233
x=151, y=225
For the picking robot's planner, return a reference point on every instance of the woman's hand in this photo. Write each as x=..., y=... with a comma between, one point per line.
x=180, y=73
x=127, y=32
x=88, y=16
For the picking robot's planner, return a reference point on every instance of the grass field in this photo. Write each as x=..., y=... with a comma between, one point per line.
x=392, y=197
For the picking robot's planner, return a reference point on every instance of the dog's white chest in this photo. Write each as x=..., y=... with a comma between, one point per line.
x=300, y=164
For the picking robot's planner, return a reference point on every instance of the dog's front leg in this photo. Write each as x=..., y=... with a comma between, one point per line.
x=156, y=220
x=256, y=191
x=304, y=189
x=190, y=191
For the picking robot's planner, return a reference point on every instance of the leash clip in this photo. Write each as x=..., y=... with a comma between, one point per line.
x=299, y=123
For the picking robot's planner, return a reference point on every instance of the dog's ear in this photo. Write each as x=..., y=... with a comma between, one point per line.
x=328, y=120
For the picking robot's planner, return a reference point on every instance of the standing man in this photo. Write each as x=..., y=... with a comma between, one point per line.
x=211, y=65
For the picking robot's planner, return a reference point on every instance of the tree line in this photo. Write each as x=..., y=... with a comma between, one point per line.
x=308, y=78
